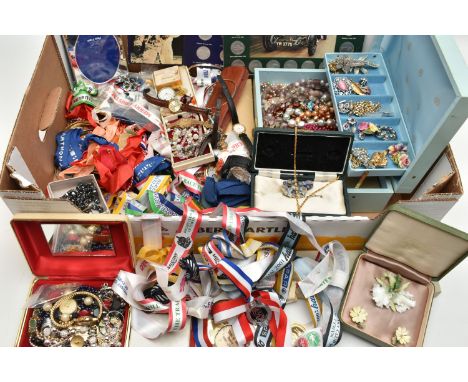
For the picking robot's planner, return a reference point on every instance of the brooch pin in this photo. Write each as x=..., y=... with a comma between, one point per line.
x=345, y=86
x=289, y=190
x=385, y=133
x=399, y=155
x=358, y=316
x=348, y=64
x=358, y=108
x=390, y=292
x=359, y=157
x=401, y=337
x=378, y=159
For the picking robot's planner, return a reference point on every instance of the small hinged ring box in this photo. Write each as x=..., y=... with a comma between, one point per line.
x=88, y=250
x=321, y=157
x=417, y=248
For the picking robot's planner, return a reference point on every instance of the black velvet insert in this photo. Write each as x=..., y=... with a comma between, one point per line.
x=316, y=151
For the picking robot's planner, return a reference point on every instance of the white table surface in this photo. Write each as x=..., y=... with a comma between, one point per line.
x=449, y=315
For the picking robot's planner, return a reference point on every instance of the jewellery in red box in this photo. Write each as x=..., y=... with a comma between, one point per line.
x=86, y=317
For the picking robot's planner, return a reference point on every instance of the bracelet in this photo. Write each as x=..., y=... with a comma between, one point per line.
x=67, y=306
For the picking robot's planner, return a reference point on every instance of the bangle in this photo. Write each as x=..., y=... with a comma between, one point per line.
x=67, y=305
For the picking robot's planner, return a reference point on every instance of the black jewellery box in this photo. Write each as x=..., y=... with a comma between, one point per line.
x=321, y=157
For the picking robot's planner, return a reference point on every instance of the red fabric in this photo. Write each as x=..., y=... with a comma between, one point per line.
x=116, y=168
x=133, y=150
x=115, y=173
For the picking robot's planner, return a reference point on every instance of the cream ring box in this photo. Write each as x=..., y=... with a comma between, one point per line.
x=320, y=156
x=421, y=250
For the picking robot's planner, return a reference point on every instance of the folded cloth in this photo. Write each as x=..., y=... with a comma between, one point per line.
x=230, y=192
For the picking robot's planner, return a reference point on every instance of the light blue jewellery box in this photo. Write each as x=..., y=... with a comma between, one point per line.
x=375, y=192
x=423, y=80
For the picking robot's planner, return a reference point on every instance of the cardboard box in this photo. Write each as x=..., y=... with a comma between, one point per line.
x=438, y=191
x=52, y=263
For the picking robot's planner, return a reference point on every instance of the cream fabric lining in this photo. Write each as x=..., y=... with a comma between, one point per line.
x=268, y=197
x=425, y=248
x=381, y=323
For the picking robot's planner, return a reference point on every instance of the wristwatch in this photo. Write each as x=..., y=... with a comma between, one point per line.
x=238, y=128
x=175, y=105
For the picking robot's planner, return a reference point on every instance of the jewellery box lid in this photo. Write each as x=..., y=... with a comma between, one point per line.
x=326, y=152
x=31, y=230
x=427, y=245
x=429, y=77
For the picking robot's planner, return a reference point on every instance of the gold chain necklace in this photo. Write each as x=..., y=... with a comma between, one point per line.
x=296, y=186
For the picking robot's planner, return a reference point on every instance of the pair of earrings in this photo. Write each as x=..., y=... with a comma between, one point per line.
x=359, y=316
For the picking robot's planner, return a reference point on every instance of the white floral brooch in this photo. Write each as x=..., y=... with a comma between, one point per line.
x=358, y=316
x=390, y=292
x=401, y=336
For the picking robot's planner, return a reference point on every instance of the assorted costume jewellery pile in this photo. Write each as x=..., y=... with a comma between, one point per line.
x=305, y=104
x=72, y=315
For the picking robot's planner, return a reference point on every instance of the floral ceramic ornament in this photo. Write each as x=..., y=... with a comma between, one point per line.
x=399, y=155
x=390, y=292
x=401, y=337
x=358, y=316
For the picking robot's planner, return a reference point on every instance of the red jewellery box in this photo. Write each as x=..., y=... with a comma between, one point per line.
x=86, y=250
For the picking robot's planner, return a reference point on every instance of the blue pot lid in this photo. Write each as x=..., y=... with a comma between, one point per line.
x=97, y=57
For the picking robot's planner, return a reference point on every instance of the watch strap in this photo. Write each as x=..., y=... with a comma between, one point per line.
x=184, y=107
x=229, y=100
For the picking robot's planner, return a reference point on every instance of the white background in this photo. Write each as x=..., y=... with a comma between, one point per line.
x=449, y=316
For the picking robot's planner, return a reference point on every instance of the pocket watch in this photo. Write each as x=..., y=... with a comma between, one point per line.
x=166, y=94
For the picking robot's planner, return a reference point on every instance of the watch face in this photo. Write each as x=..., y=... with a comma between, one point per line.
x=68, y=306
x=238, y=128
x=166, y=94
x=175, y=105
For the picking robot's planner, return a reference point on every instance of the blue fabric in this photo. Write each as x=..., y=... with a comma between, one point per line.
x=149, y=167
x=230, y=192
x=98, y=139
x=70, y=146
